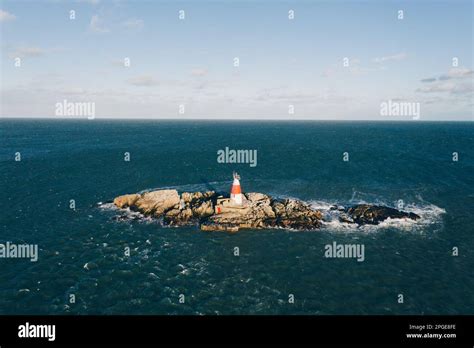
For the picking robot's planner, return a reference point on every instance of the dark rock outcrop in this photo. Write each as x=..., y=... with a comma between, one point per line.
x=374, y=214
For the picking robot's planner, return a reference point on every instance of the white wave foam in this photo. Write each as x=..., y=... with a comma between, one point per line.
x=429, y=214
x=107, y=206
x=126, y=213
x=322, y=205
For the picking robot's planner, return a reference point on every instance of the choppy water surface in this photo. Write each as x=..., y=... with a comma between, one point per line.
x=82, y=251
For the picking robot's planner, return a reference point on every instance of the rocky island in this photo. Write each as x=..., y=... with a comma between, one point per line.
x=217, y=212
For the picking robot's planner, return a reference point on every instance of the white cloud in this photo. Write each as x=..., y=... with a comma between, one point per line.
x=328, y=72
x=143, y=81
x=25, y=52
x=447, y=87
x=92, y=2
x=439, y=87
x=395, y=57
x=301, y=97
x=97, y=26
x=354, y=68
x=199, y=72
x=455, y=81
x=456, y=73
x=134, y=24
x=6, y=16
x=360, y=70
x=428, y=79
x=118, y=62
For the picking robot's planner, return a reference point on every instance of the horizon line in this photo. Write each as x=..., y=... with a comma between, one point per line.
x=75, y=118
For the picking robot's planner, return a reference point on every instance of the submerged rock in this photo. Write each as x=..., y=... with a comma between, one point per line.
x=213, y=212
x=211, y=226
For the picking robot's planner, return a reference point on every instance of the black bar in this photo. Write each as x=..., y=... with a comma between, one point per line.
x=134, y=330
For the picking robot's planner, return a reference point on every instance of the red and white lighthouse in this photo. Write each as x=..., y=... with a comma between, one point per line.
x=236, y=191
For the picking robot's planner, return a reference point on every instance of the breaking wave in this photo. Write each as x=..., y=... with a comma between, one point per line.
x=124, y=214
x=430, y=214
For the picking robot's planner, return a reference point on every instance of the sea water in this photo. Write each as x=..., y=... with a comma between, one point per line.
x=57, y=177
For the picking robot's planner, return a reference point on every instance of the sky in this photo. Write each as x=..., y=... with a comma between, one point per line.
x=335, y=60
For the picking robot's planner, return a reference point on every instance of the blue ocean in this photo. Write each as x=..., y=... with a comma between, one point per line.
x=47, y=164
